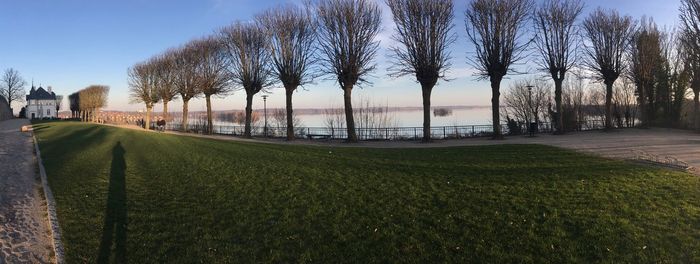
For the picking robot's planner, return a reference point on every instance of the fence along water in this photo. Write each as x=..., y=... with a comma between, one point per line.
x=387, y=133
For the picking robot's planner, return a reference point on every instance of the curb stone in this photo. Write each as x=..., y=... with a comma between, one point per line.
x=51, y=208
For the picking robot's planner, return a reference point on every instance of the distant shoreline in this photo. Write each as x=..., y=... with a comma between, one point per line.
x=320, y=111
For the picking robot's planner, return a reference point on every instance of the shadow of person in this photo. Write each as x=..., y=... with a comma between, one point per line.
x=113, y=242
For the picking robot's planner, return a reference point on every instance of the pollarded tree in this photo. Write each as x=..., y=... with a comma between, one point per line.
x=213, y=77
x=347, y=31
x=12, y=86
x=249, y=62
x=496, y=28
x=185, y=63
x=690, y=39
x=143, y=88
x=424, y=32
x=609, y=35
x=92, y=98
x=292, y=32
x=556, y=41
x=74, y=104
x=166, y=77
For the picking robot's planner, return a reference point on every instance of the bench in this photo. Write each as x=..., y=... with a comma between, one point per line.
x=319, y=136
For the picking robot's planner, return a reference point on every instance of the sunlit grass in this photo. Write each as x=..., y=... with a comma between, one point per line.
x=176, y=199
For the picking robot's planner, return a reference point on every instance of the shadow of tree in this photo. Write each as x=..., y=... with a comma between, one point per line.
x=113, y=242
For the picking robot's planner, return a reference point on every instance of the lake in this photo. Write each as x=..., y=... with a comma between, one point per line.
x=411, y=117
x=414, y=118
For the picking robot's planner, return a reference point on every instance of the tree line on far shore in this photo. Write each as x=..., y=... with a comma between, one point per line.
x=293, y=45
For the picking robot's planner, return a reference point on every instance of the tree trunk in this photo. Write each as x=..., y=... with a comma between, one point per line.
x=495, y=107
x=560, y=108
x=248, y=115
x=185, y=113
x=608, y=105
x=696, y=108
x=290, y=113
x=427, y=89
x=147, y=122
x=349, y=118
x=210, y=125
x=165, y=110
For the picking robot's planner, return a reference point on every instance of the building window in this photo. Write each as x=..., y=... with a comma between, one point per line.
x=48, y=111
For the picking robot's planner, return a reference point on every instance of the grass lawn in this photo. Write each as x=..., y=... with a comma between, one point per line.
x=126, y=195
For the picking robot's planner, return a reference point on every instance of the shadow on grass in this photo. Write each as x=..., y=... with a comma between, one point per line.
x=113, y=242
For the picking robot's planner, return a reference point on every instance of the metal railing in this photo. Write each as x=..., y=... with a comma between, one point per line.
x=386, y=133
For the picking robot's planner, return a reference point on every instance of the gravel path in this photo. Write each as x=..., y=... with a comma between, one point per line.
x=24, y=231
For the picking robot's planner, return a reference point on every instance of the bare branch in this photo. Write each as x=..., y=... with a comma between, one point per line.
x=12, y=86
x=347, y=31
x=292, y=34
x=495, y=28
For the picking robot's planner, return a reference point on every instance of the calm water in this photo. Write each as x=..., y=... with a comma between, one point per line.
x=473, y=116
x=404, y=118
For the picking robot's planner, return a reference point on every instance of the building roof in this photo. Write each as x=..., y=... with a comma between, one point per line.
x=40, y=94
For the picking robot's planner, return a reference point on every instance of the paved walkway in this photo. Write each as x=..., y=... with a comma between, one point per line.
x=662, y=143
x=24, y=231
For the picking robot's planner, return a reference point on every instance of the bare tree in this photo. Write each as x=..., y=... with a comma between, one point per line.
x=186, y=61
x=424, y=32
x=609, y=36
x=646, y=61
x=347, y=31
x=556, y=41
x=165, y=72
x=527, y=101
x=249, y=62
x=143, y=88
x=690, y=39
x=624, y=98
x=292, y=32
x=74, y=104
x=573, y=98
x=495, y=27
x=12, y=86
x=213, y=76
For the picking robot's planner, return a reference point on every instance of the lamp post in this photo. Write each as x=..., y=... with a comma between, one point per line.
x=264, y=97
x=530, y=127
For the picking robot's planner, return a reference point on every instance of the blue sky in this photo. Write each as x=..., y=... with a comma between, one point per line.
x=71, y=44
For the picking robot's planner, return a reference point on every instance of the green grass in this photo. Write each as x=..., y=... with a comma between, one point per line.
x=140, y=197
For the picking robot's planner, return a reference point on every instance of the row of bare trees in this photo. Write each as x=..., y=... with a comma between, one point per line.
x=86, y=103
x=661, y=64
x=252, y=57
x=292, y=45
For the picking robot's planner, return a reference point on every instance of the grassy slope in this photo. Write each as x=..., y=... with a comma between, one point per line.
x=196, y=200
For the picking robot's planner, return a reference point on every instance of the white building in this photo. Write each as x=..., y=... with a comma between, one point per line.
x=41, y=103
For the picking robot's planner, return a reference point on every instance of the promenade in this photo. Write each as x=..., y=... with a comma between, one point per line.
x=24, y=231
x=629, y=143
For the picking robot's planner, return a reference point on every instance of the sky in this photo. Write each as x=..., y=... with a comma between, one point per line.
x=71, y=44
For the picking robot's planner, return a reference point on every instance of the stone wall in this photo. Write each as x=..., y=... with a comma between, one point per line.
x=5, y=112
